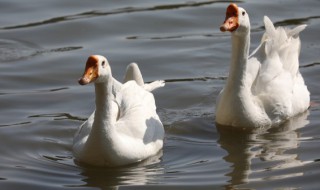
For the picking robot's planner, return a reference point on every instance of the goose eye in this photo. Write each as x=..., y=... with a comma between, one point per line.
x=103, y=63
x=243, y=13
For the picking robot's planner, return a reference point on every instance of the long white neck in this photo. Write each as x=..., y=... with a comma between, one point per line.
x=242, y=110
x=240, y=52
x=103, y=120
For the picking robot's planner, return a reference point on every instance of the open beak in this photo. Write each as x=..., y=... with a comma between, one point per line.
x=231, y=22
x=91, y=71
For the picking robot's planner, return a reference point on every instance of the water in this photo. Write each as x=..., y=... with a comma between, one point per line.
x=43, y=48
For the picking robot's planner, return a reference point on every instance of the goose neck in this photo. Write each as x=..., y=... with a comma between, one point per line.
x=103, y=113
x=240, y=52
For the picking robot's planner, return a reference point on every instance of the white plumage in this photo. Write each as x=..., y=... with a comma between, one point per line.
x=265, y=88
x=125, y=127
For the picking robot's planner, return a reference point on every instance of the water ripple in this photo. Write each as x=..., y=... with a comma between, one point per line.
x=34, y=91
x=59, y=116
x=15, y=124
x=193, y=79
x=14, y=50
x=124, y=10
x=177, y=36
x=296, y=21
x=310, y=65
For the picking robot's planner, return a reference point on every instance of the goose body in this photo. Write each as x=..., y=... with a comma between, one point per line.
x=125, y=127
x=265, y=88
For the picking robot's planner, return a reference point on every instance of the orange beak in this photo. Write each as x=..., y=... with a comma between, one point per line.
x=91, y=71
x=231, y=22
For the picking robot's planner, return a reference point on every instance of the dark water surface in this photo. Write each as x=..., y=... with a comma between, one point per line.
x=43, y=49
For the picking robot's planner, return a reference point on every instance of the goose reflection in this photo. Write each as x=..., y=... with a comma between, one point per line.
x=252, y=153
x=111, y=178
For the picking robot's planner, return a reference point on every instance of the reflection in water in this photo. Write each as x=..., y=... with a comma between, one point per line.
x=110, y=178
x=269, y=147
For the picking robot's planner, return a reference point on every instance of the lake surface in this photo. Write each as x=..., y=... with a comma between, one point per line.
x=43, y=49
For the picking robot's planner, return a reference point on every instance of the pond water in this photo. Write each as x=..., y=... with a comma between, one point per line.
x=43, y=49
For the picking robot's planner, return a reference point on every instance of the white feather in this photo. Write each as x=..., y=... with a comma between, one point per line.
x=125, y=127
x=265, y=88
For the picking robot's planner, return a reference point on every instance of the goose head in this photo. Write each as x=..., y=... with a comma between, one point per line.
x=97, y=70
x=237, y=20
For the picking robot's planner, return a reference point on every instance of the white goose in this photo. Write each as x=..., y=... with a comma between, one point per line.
x=125, y=127
x=265, y=88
